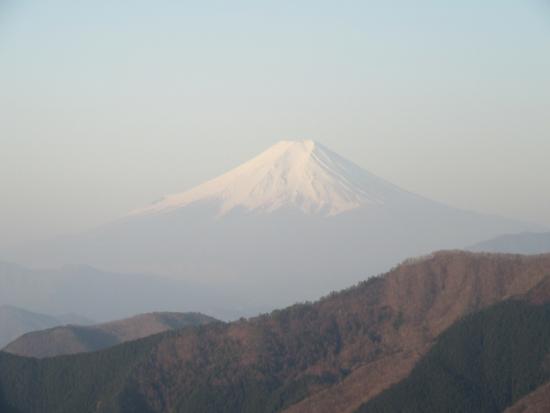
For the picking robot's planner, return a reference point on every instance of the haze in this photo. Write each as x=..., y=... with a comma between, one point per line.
x=106, y=106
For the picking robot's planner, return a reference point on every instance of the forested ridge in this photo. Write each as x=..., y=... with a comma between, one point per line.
x=329, y=356
x=482, y=364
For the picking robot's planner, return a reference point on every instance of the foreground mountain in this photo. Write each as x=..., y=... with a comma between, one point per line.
x=485, y=363
x=523, y=243
x=73, y=339
x=537, y=401
x=295, y=215
x=16, y=321
x=105, y=295
x=329, y=356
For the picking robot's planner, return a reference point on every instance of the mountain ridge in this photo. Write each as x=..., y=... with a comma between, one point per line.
x=521, y=243
x=95, y=293
x=484, y=363
x=301, y=358
x=15, y=321
x=72, y=339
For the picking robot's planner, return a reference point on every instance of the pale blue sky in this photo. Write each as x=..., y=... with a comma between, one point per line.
x=108, y=105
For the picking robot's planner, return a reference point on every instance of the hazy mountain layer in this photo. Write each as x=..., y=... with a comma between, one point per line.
x=523, y=243
x=104, y=296
x=73, y=339
x=293, y=223
x=330, y=356
x=16, y=321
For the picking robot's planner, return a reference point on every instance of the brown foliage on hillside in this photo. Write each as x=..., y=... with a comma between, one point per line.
x=342, y=350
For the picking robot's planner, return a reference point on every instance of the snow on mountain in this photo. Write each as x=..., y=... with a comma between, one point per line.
x=293, y=223
x=300, y=174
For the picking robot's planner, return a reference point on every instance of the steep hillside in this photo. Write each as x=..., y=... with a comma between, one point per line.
x=538, y=401
x=523, y=243
x=483, y=364
x=73, y=339
x=303, y=358
x=16, y=321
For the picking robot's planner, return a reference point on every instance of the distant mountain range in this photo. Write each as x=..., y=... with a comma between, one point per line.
x=523, y=243
x=16, y=321
x=477, y=323
x=71, y=339
x=275, y=230
x=104, y=295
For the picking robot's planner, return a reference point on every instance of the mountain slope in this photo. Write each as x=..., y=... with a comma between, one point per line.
x=80, y=339
x=523, y=243
x=303, y=175
x=296, y=215
x=297, y=356
x=538, y=401
x=483, y=364
x=16, y=321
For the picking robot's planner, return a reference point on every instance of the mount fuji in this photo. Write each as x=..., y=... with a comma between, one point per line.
x=304, y=176
x=293, y=223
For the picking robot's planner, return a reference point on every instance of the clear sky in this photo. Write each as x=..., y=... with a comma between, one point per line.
x=108, y=105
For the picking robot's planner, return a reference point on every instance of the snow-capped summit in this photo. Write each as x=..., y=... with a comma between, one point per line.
x=299, y=174
x=263, y=254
